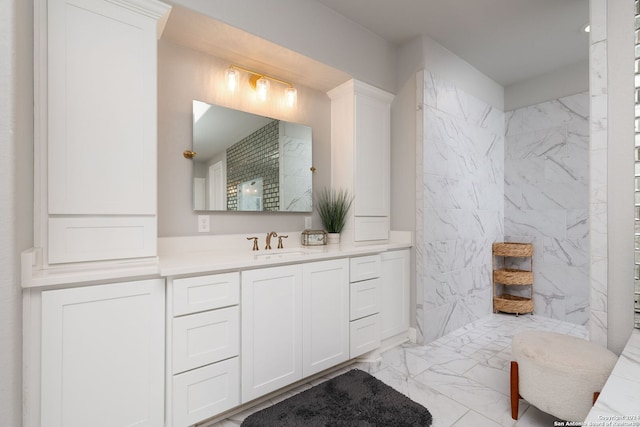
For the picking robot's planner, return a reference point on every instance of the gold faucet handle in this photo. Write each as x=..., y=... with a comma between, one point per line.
x=255, y=243
x=280, y=241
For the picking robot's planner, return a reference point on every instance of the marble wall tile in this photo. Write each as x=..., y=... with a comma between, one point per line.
x=578, y=223
x=598, y=294
x=598, y=327
x=598, y=177
x=598, y=230
x=598, y=126
x=566, y=252
x=419, y=195
x=541, y=116
x=444, y=96
x=461, y=210
x=598, y=70
x=547, y=176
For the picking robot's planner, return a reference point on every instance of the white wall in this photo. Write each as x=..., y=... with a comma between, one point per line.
x=185, y=75
x=620, y=114
x=311, y=29
x=16, y=193
x=566, y=81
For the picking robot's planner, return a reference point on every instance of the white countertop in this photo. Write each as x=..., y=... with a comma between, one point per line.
x=176, y=259
x=196, y=255
x=619, y=401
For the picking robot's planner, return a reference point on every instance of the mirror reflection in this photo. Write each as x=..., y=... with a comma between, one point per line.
x=247, y=162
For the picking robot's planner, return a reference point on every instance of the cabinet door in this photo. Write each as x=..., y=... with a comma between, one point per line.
x=325, y=309
x=372, y=166
x=102, y=108
x=395, y=282
x=271, y=329
x=103, y=355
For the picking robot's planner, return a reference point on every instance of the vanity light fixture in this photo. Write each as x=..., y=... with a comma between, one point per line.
x=260, y=82
x=233, y=79
x=262, y=86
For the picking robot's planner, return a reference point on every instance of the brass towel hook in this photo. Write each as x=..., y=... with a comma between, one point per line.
x=188, y=154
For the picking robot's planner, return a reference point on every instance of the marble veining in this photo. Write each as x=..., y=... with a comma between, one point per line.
x=598, y=127
x=546, y=196
x=460, y=204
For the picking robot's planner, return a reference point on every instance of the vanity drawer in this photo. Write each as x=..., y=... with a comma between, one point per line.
x=364, y=298
x=205, y=392
x=364, y=268
x=194, y=294
x=203, y=338
x=364, y=335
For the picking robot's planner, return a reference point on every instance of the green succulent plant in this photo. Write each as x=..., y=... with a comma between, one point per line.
x=333, y=207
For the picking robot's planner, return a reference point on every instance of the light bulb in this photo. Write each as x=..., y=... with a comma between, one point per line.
x=233, y=78
x=262, y=87
x=290, y=96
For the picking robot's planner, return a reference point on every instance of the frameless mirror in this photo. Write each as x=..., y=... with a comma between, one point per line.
x=246, y=162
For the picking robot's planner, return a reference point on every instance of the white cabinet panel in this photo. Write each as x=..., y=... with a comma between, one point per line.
x=365, y=298
x=194, y=294
x=325, y=315
x=102, y=109
x=371, y=228
x=205, y=392
x=372, y=146
x=364, y=268
x=205, y=338
x=80, y=239
x=103, y=355
x=365, y=335
x=271, y=329
x=395, y=283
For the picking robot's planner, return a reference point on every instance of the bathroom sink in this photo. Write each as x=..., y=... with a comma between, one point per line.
x=280, y=254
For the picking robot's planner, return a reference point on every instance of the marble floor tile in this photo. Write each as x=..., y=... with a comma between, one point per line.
x=474, y=419
x=462, y=377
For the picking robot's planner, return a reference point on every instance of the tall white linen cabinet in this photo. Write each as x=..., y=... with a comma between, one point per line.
x=360, y=157
x=94, y=355
x=96, y=141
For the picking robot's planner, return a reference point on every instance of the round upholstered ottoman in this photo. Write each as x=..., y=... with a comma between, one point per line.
x=558, y=373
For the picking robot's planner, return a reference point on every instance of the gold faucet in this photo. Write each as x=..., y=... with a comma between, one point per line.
x=269, y=236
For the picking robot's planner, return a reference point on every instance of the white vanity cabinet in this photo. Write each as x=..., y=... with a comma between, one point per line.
x=395, y=281
x=325, y=315
x=360, y=156
x=271, y=329
x=97, y=128
x=295, y=322
x=365, y=304
x=203, y=346
x=102, y=356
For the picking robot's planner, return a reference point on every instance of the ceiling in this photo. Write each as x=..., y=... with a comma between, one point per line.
x=508, y=40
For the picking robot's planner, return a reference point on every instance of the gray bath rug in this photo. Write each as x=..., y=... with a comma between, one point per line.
x=351, y=399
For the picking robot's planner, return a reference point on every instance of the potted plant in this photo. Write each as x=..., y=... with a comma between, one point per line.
x=333, y=207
